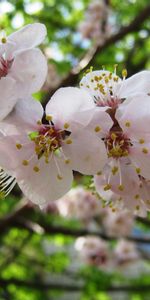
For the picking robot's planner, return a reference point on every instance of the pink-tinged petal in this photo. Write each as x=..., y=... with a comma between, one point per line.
x=137, y=206
x=140, y=157
x=14, y=149
x=125, y=180
x=134, y=117
x=99, y=183
x=44, y=186
x=120, y=177
x=69, y=105
x=40, y=181
x=130, y=201
x=145, y=192
x=90, y=80
x=100, y=123
x=29, y=36
x=25, y=115
x=8, y=96
x=29, y=70
x=138, y=83
x=87, y=153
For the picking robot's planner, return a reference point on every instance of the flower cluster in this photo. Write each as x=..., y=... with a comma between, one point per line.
x=96, y=129
x=81, y=204
x=95, y=24
x=124, y=257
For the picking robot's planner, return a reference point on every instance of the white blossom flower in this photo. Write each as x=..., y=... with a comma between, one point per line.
x=42, y=156
x=95, y=23
x=94, y=251
x=126, y=252
x=118, y=223
x=79, y=203
x=23, y=69
x=109, y=91
x=128, y=148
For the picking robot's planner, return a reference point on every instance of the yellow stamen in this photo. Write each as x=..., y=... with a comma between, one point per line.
x=36, y=169
x=25, y=162
x=120, y=187
x=145, y=150
x=66, y=125
x=97, y=129
x=127, y=124
x=49, y=118
x=18, y=146
x=68, y=141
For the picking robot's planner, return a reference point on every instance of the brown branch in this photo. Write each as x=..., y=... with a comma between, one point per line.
x=90, y=57
x=53, y=229
x=70, y=287
x=40, y=285
x=24, y=215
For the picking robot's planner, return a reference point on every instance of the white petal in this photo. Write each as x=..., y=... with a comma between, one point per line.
x=44, y=186
x=29, y=36
x=100, y=123
x=26, y=113
x=29, y=69
x=69, y=105
x=89, y=83
x=138, y=83
x=134, y=117
x=121, y=176
x=141, y=159
x=10, y=156
x=40, y=187
x=8, y=96
x=87, y=152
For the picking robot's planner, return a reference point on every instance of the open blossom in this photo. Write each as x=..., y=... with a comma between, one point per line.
x=94, y=25
x=93, y=251
x=127, y=142
x=42, y=156
x=126, y=252
x=79, y=203
x=118, y=223
x=23, y=68
x=109, y=90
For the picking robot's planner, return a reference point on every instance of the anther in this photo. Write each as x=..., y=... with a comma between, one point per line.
x=124, y=73
x=36, y=169
x=141, y=141
x=138, y=170
x=67, y=161
x=127, y=124
x=3, y=40
x=145, y=150
x=18, y=146
x=68, y=141
x=107, y=187
x=114, y=170
x=25, y=162
x=66, y=125
x=113, y=136
x=49, y=118
x=59, y=177
x=39, y=122
x=97, y=129
x=120, y=187
x=137, y=196
x=99, y=173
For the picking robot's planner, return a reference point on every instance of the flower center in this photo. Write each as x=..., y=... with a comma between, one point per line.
x=47, y=141
x=117, y=145
x=4, y=67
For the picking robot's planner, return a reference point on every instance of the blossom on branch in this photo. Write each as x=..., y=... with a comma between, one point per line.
x=42, y=155
x=23, y=68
